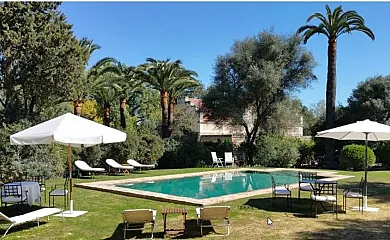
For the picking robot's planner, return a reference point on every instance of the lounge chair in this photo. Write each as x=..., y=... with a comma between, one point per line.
x=116, y=166
x=138, y=216
x=138, y=165
x=229, y=159
x=28, y=217
x=216, y=160
x=84, y=167
x=213, y=213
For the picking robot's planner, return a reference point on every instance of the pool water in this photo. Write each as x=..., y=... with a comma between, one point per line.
x=216, y=185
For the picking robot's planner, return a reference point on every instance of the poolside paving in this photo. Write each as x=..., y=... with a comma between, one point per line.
x=111, y=186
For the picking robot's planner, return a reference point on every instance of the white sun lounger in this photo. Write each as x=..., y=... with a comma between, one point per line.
x=28, y=217
x=136, y=164
x=115, y=165
x=83, y=166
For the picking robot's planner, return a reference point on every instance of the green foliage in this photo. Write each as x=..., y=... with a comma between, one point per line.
x=257, y=74
x=16, y=161
x=382, y=153
x=186, y=119
x=186, y=151
x=370, y=100
x=276, y=151
x=306, y=152
x=353, y=156
x=36, y=40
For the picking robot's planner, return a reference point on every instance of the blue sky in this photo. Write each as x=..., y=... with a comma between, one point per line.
x=197, y=33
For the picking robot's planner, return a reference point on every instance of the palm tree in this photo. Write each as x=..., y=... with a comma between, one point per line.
x=332, y=26
x=183, y=83
x=125, y=82
x=163, y=76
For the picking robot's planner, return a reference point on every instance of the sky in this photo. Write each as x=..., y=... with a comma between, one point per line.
x=197, y=33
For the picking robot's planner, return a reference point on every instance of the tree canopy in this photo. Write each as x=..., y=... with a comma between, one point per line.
x=253, y=77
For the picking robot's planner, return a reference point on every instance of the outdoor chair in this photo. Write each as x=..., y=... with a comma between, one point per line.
x=14, y=194
x=280, y=191
x=84, y=167
x=229, y=159
x=138, y=217
x=138, y=165
x=40, y=180
x=57, y=192
x=28, y=217
x=216, y=160
x=306, y=179
x=324, y=192
x=354, y=193
x=115, y=166
x=213, y=213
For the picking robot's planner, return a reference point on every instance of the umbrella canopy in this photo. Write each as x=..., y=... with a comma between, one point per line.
x=358, y=131
x=69, y=130
x=361, y=130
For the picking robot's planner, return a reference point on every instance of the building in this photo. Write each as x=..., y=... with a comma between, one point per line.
x=209, y=131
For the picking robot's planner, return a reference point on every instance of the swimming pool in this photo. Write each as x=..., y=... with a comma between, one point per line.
x=204, y=188
x=215, y=185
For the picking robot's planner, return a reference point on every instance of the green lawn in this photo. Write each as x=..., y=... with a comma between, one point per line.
x=248, y=216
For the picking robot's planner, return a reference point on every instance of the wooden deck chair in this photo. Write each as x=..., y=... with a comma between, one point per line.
x=138, y=216
x=28, y=217
x=213, y=213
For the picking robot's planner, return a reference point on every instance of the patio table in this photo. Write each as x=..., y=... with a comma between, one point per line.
x=33, y=191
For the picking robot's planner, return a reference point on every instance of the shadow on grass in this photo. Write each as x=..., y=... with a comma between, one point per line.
x=377, y=190
x=351, y=229
x=298, y=209
x=16, y=210
x=192, y=231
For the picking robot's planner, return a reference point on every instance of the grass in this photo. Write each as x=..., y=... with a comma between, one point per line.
x=248, y=216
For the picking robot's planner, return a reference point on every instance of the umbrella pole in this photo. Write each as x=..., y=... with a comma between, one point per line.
x=70, y=178
x=365, y=175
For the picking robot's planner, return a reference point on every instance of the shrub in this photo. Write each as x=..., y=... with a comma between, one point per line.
x=382, y=153
x=306, y=152
x=353, y=156
x=276, y=151
x=185, y=151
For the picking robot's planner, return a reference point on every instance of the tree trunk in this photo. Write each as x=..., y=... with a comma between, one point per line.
x=107, y=113
x=164, y=112
x=330, y=161
x=170, y=113
x=122, y=110
x=77, y=107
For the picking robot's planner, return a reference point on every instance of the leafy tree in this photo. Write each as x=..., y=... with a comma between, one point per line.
x=332, y=25
x=39, y=56
x=257, y=74
x=185, y=120
x=371, y=100
x=166, y=76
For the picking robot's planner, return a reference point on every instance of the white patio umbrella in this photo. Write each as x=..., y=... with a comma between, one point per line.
x=361, y=130
x=69, y=130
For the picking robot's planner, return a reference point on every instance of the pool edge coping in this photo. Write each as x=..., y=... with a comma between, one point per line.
x=109, y=186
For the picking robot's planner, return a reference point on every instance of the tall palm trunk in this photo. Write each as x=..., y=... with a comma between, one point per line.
x=107, y=113
x=330, y=102
x=77, y=107
x=122, y=110
x=170, y=113
x=164, y=109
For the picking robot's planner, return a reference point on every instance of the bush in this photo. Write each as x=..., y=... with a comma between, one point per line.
x=353, y=156
x=306, y=152
x=276, y=151
x=185, y=151
x=382, y=153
